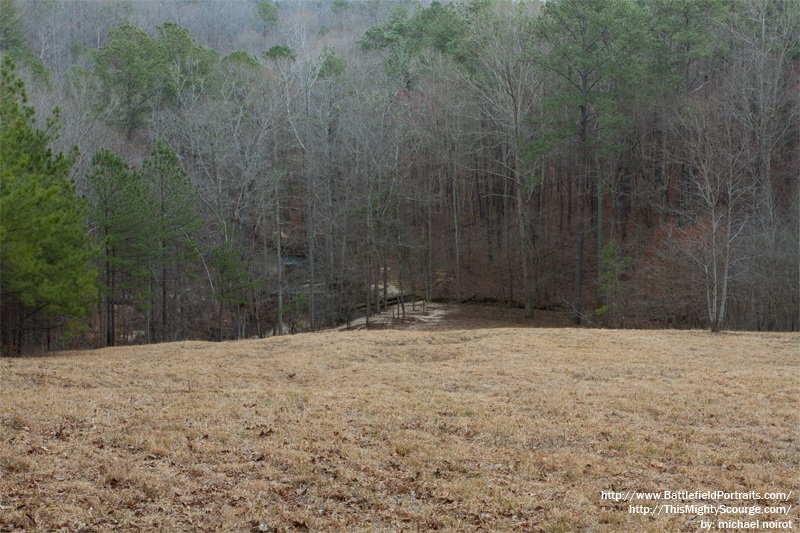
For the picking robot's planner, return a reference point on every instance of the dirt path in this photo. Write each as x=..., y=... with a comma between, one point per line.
x=451, y=316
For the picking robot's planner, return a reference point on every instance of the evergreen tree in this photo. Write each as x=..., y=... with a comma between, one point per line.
x=12, y=40
x=176, y=223
x=139, y=74
x=401, y=37
x=267, y=14
x=130, y=70
x=45, y=252
x=125, y=226
x=232, y=280
x=186, y=64
x=593, y=50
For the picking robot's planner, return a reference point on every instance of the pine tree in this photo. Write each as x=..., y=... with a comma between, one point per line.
x=176, y=222
x=593, y=49
x=131, y=70
x=45, y=252
x=13, y=43
x=124, y=220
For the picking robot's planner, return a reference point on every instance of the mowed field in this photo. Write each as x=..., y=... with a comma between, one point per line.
x=493, y=429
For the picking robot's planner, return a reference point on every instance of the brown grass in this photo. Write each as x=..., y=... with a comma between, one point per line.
x=461, y=430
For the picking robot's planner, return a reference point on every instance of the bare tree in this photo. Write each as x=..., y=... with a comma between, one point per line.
x=717, y=156
x=507, y=85
x=765, y=99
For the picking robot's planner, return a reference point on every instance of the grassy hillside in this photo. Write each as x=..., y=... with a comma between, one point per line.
x=482, y=429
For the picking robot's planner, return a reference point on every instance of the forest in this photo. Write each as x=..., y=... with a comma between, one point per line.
x=203, y=169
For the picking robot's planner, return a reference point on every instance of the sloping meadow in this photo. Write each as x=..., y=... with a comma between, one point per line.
x=486, y=429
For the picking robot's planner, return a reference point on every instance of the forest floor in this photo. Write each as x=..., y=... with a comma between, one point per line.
x=459, y=425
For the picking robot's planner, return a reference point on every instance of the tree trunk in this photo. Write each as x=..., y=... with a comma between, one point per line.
x=522, y=222
x=109, y=300
x=577, y=303
x=579, y=242
x=280, y=262
x=456, y=236
x=429, y=252
x=164, y=317
x=311, y=234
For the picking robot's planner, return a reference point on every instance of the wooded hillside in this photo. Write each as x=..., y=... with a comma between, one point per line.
x=252, y=168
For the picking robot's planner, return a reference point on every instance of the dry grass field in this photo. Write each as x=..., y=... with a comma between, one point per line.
x=490, y=429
